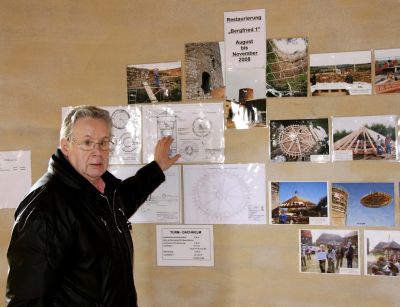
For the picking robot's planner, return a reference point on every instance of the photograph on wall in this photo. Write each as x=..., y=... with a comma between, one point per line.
x=382, y=252
x=224, y=194
x=287, y=67
x=299, y=202
x=205, y=70
x=342, y=73
x=387, y=71
x=152, y=83
x=299, y=140
x=363, y=204
x=333, y=251
x=364, y=138
x=246, y=101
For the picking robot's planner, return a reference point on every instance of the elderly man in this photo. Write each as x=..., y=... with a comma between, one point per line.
x=71, y=244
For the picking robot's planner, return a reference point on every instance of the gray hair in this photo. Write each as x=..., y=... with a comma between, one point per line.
x=83, y=112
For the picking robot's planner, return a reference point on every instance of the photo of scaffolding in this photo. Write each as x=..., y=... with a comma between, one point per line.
x=382, y=253
x=299, y=140
x=334, y=251
x=299, y=202
x=387, y=71
x=365, y=138
x=363, y=204
x=152, y=83
x=342, y=73
x=287, y=67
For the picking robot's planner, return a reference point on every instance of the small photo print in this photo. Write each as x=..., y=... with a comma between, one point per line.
x=329, y=251
x=299, y=140
x=382, y=252
x=363, y=204
x=387, y=71
x=342, y=73
x=299, y=202
x=152, y=83
x=205, y=70
x=245, y=98
x=287, y=67
x=364, y=138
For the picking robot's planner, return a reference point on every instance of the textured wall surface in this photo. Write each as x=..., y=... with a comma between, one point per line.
x=60, y=53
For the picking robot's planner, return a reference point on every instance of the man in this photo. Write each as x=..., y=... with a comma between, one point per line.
x=349, y=254
x=71, y=244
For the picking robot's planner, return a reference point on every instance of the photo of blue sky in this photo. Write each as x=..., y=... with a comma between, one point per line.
x=312, y=191
x=358, y=214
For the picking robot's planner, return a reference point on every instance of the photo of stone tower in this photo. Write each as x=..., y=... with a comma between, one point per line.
x=204, y=71
x=339, y=206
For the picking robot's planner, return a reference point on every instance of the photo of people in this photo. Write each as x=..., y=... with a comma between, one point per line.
x=287, y=67
x=363, y=204
x=364, y=138
x=152, y=83
x=299, y=202
x=299, y=140
x=329, y=251
x=342, y=73
x=387, y=71
x=205, y=70
x=382, y=252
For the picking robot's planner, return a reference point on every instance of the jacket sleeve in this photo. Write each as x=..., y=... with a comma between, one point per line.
x=32, y=272
x=134, y=190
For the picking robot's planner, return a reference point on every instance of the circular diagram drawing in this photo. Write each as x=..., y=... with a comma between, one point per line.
x=201, y=126
x=296, y=140
x=220, y=196
x=128, y=143
x=120, y=118
x=189, y=150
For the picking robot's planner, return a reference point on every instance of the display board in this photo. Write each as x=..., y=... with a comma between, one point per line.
x=66, y=54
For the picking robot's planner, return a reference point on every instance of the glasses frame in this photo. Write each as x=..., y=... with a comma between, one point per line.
x=105, y=145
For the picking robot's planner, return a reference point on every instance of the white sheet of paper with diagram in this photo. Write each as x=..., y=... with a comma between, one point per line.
x=224, y=194
x=126, y=133
x=197, y=129
x=164, y=204
x=15, y=177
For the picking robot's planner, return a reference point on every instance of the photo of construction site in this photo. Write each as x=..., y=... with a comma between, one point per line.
x=342, y=73
x=365, y=138
x=299, y=202
x=363, y=204
x=299, y=140
x=382, y=253
x=287, y=67
x=152, y=83
x=387, y=71
x=335, y=251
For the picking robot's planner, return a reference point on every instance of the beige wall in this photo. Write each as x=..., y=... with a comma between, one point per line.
x=59, y=53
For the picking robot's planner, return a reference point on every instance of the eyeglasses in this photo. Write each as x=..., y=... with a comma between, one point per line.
x=88, y=145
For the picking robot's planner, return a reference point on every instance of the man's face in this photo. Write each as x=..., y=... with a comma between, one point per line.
x=91, y=164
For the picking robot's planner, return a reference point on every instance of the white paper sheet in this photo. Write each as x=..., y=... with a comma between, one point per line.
x=197, y=129
x=164, y=204
x=185, y=245
x=245, y=39
x=15, y=177
x=224, y=194
x=125, y=133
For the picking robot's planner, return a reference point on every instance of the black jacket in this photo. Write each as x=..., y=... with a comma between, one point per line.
x=71, y=245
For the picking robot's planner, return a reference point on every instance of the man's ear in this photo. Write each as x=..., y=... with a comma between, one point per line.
x=64, y=146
